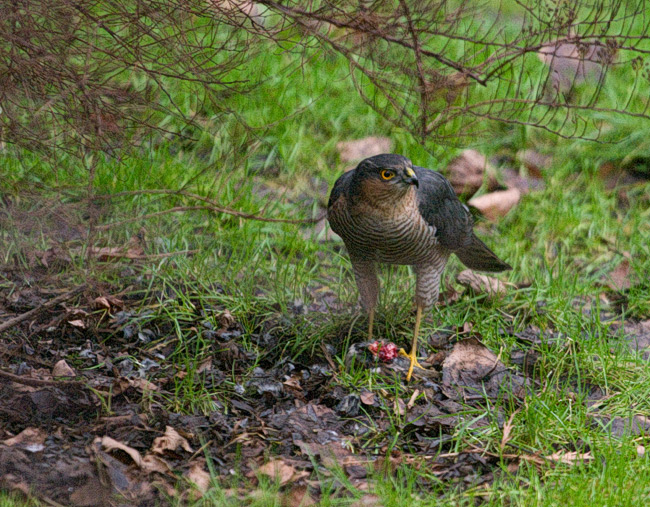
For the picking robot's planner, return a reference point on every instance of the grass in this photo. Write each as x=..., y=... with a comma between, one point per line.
x=561, y=241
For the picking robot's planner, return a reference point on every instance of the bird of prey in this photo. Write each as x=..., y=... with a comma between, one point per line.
x=387, y=210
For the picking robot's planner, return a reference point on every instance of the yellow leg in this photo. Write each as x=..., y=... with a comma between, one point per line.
x=371, y=320
x=414, y=347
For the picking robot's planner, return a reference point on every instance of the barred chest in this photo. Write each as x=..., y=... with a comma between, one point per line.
x=395, y=234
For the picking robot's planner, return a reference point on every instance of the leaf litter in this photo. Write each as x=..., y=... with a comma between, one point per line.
x=112, y=430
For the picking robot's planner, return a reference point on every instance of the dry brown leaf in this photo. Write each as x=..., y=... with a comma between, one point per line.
x=143, y=384
x=507, y=430
x=226, y=319
x=534, y=161
x=293, y=382
x=108, y=302
x=368, y=501
x=571, y=63
x=367, y=397
x=297, y=496
x=357, y=150
x=496, y=204
x=62, y=369
x=170, y=441
x=239, y=10
x=116, y=252
x=619, y=278
x=152, y=463
x=467, y=172
x=199, y=476
x=281, y=472
x=570, y=457
x=77, y=323
x=31, y=439
x=481, y=284
x=109, y=445
x=205, y=365
x=472, y=371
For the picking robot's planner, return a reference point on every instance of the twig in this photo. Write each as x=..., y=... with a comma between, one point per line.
x=34, y=311
x=165, y=255
x=36, y=382
x=212, y=206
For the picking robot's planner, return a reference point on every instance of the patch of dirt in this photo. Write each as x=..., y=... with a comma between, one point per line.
x=90, y=408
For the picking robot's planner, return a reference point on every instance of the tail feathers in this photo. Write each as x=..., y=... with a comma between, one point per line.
x=479, y=257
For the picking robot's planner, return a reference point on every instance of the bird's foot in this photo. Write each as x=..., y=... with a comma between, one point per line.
x=414, y=362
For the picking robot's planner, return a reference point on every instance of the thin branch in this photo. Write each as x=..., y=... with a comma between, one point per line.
x=35, y=311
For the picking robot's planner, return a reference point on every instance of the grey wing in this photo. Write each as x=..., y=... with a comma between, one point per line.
x=440, y=208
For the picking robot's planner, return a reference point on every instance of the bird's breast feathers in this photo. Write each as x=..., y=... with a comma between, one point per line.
x=397, y=236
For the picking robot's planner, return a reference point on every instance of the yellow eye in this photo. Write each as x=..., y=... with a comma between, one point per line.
x=387, y=175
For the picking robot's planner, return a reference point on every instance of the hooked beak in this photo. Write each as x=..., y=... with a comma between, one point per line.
x=411, y=178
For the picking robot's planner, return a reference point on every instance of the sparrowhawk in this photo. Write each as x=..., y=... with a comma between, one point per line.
x=388, y=210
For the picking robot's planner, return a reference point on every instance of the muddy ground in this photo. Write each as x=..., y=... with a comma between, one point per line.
x=89, y=392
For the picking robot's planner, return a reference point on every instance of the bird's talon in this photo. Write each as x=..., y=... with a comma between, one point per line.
x=414, y=362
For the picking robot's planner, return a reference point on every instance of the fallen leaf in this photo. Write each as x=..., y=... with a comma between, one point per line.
x=297, y=496
x=226, y=320
x=570, y=457
x=281, y=472
x=143, y=384
x=30, y=439
x=293, y=382
x=110, y=445
x=571, y=64
x=367, y=397
x=331, y=454
x=54, y=256
x=121, y=384
x=170, y=441
x=199, y=476
x=108, y=302
x=205, y=365
x=481, y=284
x=357, y=150
x=116, y=252
x=467, y=172
x=496, y=204
x=239, y=10
x=619, y=278
x=368, y=501
x=62, y=369
x=152, y=463
x=507, y=430
x=471, y=372
x=77, y=323
x=534, y=161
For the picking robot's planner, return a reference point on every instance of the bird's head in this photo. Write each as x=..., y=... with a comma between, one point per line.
x=388, y=176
